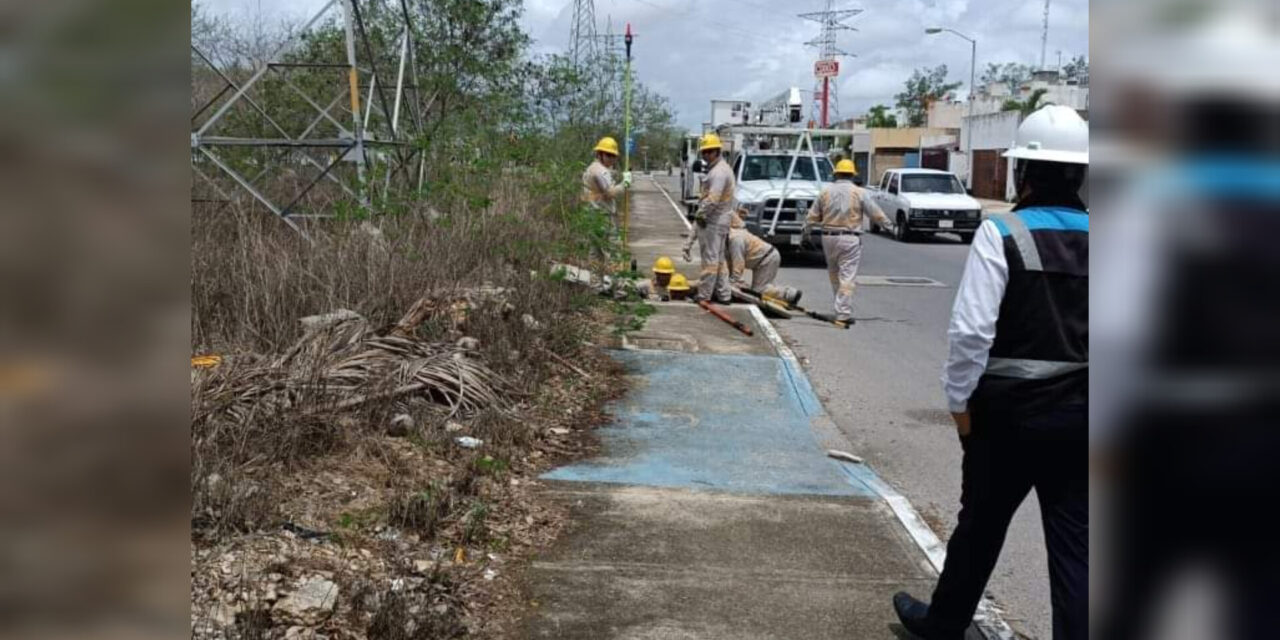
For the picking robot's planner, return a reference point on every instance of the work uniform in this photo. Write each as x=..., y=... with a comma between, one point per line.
x=746, y=251
x=839, y=210
x=651, y=290
x=599, y=190
x=1019, y=351
x=715, y=212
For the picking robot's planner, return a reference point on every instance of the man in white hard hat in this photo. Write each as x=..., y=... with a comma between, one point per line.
x=1017, y=384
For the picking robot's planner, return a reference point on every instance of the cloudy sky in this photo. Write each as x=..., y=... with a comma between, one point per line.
x=694, y=51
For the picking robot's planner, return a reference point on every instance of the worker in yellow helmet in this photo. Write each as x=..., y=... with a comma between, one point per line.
x=715, y=210
x=656, y=288
x=598, y=187
x=679, y=288
x=746, y=251
x=837, y=214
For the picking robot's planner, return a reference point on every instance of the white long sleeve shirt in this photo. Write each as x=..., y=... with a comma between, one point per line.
x=973, y=318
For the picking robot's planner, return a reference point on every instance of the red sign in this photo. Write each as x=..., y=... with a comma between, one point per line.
x=826, y=68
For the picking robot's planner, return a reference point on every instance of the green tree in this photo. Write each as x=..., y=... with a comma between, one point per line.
x=486, y=105
x=924, y=87
x=1076, y=68
x=1028, y=106
x=879, y=117
x=1010, y=74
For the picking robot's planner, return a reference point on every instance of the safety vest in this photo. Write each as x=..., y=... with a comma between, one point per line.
x=1040, y=357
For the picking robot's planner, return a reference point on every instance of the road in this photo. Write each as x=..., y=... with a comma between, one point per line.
x=880, y=382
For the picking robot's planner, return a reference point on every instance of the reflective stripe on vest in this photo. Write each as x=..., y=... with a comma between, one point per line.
x=1022, y=239
x=1032, y=369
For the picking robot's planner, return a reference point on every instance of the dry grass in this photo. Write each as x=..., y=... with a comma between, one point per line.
x=291, y=434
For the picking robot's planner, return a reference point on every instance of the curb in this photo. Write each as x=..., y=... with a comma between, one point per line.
x=679, y=213
x=987, y=619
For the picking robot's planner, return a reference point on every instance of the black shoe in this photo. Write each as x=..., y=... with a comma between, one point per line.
x=913, y=614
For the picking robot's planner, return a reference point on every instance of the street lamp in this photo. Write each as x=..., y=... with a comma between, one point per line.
x=973, y=64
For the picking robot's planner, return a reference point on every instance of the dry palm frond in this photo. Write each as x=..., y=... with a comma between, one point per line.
x=343, y=366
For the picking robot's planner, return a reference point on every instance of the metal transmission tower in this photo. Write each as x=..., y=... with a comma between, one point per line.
x=283, y=133
x=582, y=33
x=828, y=65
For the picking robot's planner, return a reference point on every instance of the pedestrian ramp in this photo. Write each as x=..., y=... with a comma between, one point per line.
x=733, y=423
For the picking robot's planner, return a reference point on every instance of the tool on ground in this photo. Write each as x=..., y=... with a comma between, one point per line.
x=825, y=317
x=770, y=306
x=843, y=455
x=724, y=316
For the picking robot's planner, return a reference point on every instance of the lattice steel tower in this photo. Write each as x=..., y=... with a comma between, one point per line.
x=826, y=102
x=582, y=33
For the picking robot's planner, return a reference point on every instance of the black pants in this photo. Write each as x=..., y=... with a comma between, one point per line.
x=1004, y=459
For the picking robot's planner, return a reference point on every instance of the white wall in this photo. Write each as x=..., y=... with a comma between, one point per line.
x=990, y=131
x=959, y=165
x=1067, y=95
x=861, y=141
x=946, y=115
x=937, y=140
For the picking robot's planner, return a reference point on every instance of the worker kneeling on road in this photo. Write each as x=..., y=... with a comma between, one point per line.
x=715, y=209
x=598, y=188
x=837, y=214
x=1017, y=383
x=746, y=251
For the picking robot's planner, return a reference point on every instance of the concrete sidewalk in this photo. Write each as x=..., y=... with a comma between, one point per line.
x=712, y=510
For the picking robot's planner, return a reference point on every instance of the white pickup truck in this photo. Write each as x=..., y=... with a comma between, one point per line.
x=761, y=176
x=927, y=201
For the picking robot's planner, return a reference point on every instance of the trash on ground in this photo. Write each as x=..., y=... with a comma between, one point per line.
x=844, y=455
x=468, y=442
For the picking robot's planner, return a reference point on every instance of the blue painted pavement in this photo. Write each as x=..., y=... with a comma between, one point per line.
x=737, y=423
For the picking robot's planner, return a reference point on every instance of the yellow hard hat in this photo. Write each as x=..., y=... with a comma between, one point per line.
x=607, y=145
x=678, y=283
x=664, y=265
x=846, y=166
x=709, y=142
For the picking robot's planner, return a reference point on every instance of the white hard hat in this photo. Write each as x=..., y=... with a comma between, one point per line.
x=1053, y=133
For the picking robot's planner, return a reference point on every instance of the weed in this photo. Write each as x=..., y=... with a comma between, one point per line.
x=475, y=530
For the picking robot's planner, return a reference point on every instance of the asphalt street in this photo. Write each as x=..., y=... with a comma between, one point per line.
x=880, y=382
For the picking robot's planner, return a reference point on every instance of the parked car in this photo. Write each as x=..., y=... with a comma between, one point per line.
x=927, y=201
